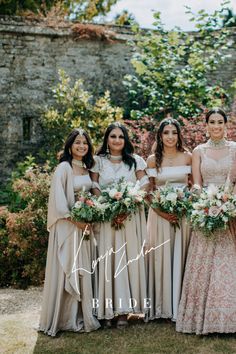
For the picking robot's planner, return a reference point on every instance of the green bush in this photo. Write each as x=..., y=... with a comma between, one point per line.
x=172, y=68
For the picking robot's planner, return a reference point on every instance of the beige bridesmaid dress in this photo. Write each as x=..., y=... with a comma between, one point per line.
x=68, y=289
x=168, y=249
x=121, y=268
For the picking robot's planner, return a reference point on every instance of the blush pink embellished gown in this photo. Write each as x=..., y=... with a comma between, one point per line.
x=208, y=301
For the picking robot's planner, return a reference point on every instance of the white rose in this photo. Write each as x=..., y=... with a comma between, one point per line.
x=112, y=192
x=172, y=197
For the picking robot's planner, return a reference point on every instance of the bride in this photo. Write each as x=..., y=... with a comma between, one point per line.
x=208, y=301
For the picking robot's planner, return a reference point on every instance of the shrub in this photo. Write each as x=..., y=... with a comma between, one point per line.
x=142, y=134
x=23, y=234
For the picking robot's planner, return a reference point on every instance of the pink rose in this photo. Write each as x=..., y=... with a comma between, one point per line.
x=89, y=202
x=225, y=198
x=118, y=196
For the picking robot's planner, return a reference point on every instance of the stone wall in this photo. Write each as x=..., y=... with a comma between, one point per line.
x=30, y=57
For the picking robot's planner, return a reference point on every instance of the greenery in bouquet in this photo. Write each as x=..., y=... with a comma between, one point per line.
x=171, y=199
x=215, y=207
x=124, y=198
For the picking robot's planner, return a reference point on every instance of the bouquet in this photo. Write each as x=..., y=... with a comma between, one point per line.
x=172, y=200
x=89, y=208
x=124, y=198
x=215, y=207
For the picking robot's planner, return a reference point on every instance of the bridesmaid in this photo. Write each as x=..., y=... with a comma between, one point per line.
x=67, y=297
x=170, y=163
x=208, y=300
x=122, y=284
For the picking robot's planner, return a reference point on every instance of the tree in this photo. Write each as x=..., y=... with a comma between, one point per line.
x=229, y=19
x=125, y=19
x=82, y=10
x=172, y=67
x=74, y=107
x=87, y=10
x=15, y=7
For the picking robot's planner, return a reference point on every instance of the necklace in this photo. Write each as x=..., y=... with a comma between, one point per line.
x=170, y=159
x=115, y=157
x=78, y=163
x=217, y=144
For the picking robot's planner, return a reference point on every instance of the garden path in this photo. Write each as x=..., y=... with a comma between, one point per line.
x=19, y=317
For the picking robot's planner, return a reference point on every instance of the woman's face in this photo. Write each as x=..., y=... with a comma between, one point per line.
x=116, y=141
x=216, y=126
x=169, y=136
x=79, y=147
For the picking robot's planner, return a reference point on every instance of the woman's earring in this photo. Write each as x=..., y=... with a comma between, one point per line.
x=70, y=152
x=108, y=152
x=207, y=134
x=225, y=134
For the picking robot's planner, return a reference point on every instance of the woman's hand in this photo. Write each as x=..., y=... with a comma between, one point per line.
x=172, y=218
x=119, y=220
x=81, y=225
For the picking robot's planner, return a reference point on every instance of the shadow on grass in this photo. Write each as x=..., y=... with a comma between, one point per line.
x=139, y=338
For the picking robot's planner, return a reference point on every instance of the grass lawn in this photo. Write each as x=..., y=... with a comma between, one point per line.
x=138, y=338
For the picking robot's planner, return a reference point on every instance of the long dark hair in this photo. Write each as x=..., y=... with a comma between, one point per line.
x=66, y=154
x=128, y=150
x=159, y=144
x=216, y=110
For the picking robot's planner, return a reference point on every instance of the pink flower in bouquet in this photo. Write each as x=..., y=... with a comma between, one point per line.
x=82, y=199
x=225, y=198
x=214, y=211
x=118, y=195
x=89, y=202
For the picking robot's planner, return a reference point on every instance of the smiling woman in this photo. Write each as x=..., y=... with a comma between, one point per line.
x=171, y=163
x=208, y=301
x=122, y=282
x=67, y=297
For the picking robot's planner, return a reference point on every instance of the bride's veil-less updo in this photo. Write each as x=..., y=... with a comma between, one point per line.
x=159, y=144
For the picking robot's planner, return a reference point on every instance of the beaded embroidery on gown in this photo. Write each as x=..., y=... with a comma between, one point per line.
x=208, y=300
x=67, y=296
x=166, y=263
x=122, y=282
